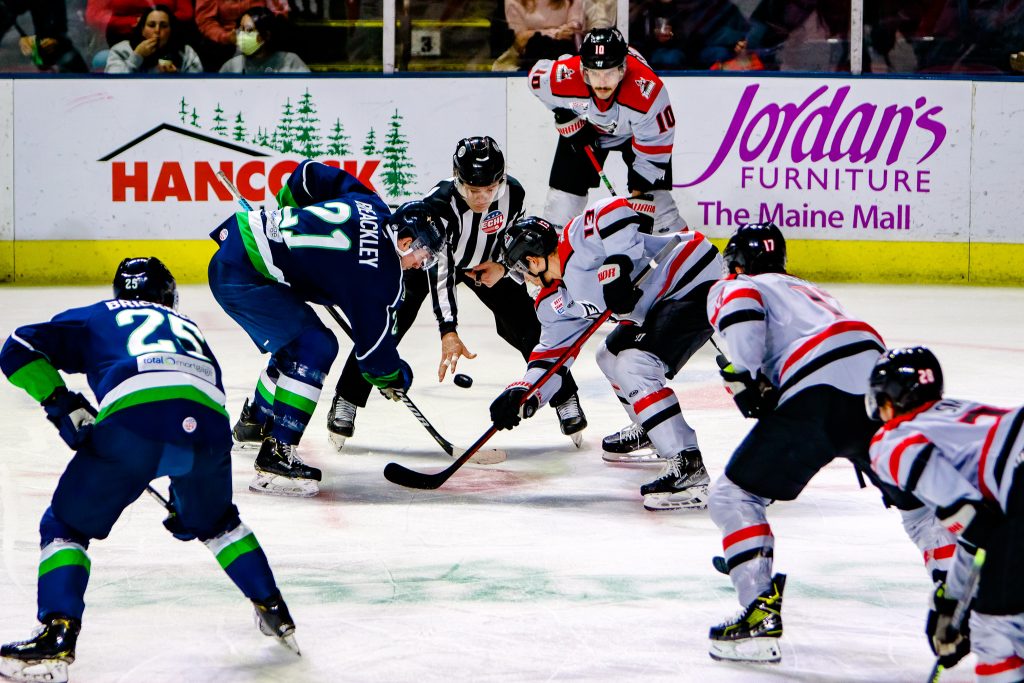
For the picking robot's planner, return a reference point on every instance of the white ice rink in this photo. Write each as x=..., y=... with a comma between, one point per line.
x=545, y=567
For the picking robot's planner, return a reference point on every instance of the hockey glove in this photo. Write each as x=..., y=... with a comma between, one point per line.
x=574, y=128
x=620, y=294
x=645, y=208
x=949, y=643
x=177, y=528
x=508, y=409
x=973, y=520
x=71, y=414
x=394, y=384
x=755, y=397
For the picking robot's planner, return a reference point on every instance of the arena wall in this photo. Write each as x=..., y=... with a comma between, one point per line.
x=880, y=180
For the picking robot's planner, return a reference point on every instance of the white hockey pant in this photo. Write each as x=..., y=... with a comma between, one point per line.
x=998, y=641
x=934, y=541
x=746, y=537
x=666, y=213
x=561, y=207
x=638, y=378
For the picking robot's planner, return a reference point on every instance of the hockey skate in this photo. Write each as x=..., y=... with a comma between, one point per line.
x=341, y=421
x=682, y=485
x=45, y=656
x=753, y=635
x=280, y=472
x=273, y=619
x=629, y=445
x=571, y=419
x=250, y=431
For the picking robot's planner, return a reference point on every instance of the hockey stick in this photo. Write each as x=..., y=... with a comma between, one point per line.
x=403, y=476
x=600, y=171
x=960, y=611
x=160, y=499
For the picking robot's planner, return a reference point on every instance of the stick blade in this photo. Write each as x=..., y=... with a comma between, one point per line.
x=410, y=479
x=490, y=456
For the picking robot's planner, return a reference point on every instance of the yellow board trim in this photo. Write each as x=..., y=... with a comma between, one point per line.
x=93, y=262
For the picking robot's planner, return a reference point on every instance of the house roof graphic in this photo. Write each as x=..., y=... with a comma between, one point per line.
x=188, y=133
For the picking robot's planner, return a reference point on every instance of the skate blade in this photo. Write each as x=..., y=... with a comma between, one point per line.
x=694, y=498
x=337, y=440
x=754, y=650
x=289, y=642
x=47, y=670
x=491, y=456
x=245, y=445
x=276, y=485
x=641, y=457
x=577, y=438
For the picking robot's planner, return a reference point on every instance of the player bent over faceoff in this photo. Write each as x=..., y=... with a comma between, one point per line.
x=348, y=252
x=161, y=413
x=584, y=269
x=798, y=365
x=962, y=459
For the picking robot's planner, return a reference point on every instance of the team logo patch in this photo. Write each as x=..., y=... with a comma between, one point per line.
x=223, y=235
x=492, y=222
x=189, y=424
x=563, y=72
x=646, y=87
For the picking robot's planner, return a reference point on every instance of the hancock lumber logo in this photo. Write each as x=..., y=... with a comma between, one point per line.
x=387, y=167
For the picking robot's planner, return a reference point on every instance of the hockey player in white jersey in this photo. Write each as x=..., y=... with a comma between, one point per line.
x=586, y=268
x=798, y=363
x=962, y=459
x=609, y=99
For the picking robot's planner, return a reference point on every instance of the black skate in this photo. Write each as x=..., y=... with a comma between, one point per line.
x=280, y=472
x=753, y=636
x=682, y=485
x=45, y=656
x=273, y=619
x=250, y=430
x=630, y=444
x=571, y=419
x=341, y=421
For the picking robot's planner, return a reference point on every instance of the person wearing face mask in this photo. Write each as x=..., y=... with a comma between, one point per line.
x=258, y=37
x=157, y=45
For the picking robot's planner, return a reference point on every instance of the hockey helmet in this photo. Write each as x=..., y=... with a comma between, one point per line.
x=479, y=162
x=603, y=48
x=145, y=279
x=418, y=221
x=908, y=377
x=528, y=236
x=757, y=248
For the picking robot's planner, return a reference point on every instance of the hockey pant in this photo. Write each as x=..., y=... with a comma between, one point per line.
x=638, y=380
x=110, y=473
x=998, y=641
x=747, y=538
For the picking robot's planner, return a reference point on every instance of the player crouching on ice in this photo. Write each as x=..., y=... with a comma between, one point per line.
x=348, y=252
x=586, y=268
x=962, y=459
x=161, y=413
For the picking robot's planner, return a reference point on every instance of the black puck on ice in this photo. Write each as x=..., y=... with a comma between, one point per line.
x=464, y=381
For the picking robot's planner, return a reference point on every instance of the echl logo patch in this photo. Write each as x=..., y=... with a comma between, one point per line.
x=646, y=87
x=563, y=72
x=492, y=222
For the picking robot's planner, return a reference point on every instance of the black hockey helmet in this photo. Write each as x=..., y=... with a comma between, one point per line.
x=528, y=236
x=603, y=48
x=757, y=248
x=908, y=377
x=416, y=219
x=478, y=161
x=145, y=278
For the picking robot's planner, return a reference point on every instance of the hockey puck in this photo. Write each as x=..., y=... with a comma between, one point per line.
x=464, y=381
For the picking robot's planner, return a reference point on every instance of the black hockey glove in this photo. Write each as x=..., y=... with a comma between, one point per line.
x=948, y=643
x=71, y=414
x=391, y=384
x=508, y=409
x=177, y=528
x=574, y=128
x=973, y=520
x=645, y=208
x=754, y=396
x=620, y=294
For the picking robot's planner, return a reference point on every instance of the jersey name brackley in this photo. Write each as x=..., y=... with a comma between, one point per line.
x=369, y=234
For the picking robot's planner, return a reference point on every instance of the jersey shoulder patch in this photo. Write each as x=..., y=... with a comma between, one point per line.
x=566, y=78
x=640, y=86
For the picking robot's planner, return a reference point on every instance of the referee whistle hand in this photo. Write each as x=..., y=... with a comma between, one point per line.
x=487, y=273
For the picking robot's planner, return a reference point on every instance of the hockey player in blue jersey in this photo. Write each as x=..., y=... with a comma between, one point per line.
x=161, y=413
x=347, y=251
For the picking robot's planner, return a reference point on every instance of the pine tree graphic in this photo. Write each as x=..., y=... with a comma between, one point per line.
x=183, y=110
x=218, y=122
x=338, y=146
x=195, y=118
x=398, y=168
x=370, y=146
x=307, y=139
x=239, y=129
x=284, y=133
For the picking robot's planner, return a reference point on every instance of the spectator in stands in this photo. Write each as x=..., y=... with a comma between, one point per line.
x=116, y=19
x=217, y=21
x=50, y=48
x=260, y=35
x=687, y=34
x=544, y=29
x=157, y=45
